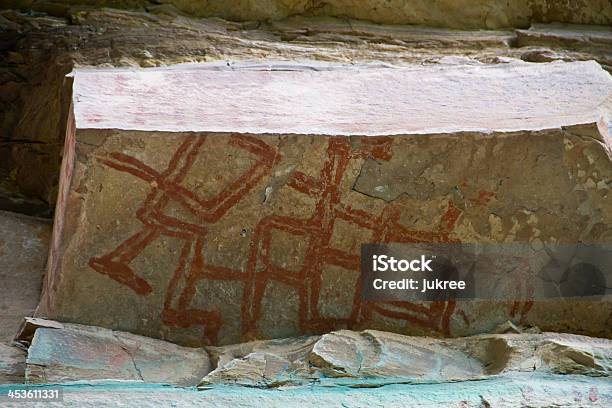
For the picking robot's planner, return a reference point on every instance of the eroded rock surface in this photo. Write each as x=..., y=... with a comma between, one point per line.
x=373, y=354
x=39, y=49
x=250, y=229
x=374, y=358
x=270, y=363
x=24, y=243
x=12, y=364
x=445, y=13
x=66, y=353
x=522, y=390
x=60, y=353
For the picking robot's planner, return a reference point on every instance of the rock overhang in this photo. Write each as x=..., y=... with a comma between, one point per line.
x=343, y=100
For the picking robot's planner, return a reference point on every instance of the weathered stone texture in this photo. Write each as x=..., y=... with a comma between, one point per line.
x=327, y=100
x=519, y=390
x=444, y=13
x=37, y=50
x=61, y=353
x=252, y=229
x=374, y=358
x=12, y=364
x=24, y=242
x=100, y=367
x=66, y=353
x=386, y=356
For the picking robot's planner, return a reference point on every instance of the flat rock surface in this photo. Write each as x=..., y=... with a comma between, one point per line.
x=566, y=34
x=24, y=244
x=519, y=390
x=320, y=100
x=63, y=353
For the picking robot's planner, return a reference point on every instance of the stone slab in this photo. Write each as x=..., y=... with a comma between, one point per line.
x=201, y=232
x=24, y=243
x=319, y=99
x=61, y=353
x=566, y=35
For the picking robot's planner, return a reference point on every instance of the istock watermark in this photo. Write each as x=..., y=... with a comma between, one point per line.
x=516, y=271
x=382, y=263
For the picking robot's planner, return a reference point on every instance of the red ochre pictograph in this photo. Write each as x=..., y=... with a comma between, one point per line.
x=315, y=230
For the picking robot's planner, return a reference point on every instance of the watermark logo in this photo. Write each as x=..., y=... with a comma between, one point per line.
x=516, y=271
x=382, y=263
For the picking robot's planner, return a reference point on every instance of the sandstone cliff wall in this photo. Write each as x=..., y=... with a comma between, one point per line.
x=444, y=13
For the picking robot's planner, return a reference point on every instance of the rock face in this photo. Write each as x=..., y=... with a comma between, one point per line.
x=258, y=190
x=61, y=353
x=444, y=13
x=12, y=364
x=37, y=50
x=24, y=243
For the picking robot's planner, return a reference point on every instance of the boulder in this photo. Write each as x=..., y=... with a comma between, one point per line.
x=571, y=356
x=24, y=243
x=256, y=369
x=373, y=354
x=262, y=363
x=61, y=353
x=549, y=353
x=235, y=210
